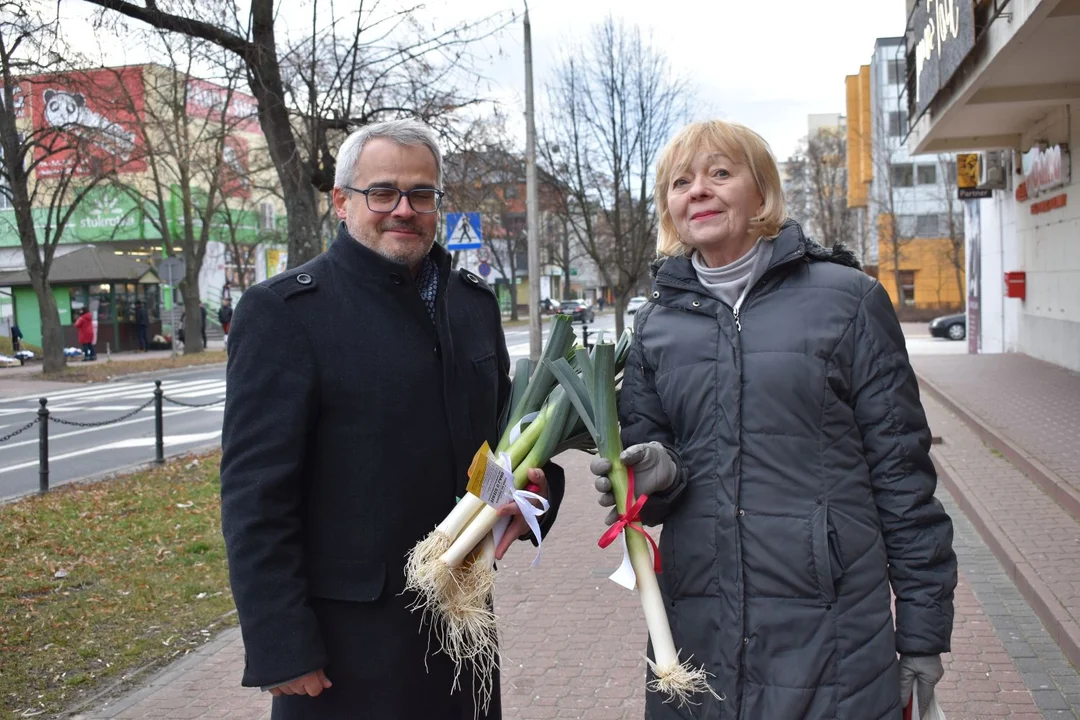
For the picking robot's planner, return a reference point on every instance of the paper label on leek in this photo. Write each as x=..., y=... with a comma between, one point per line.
x=488, y=479
x=624, y=575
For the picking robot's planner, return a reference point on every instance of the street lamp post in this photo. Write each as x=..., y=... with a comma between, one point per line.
x=531, y=201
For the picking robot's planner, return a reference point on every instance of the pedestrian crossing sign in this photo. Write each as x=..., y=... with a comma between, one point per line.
x=463, y=231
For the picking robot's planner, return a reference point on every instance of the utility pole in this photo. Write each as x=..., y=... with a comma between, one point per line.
x=531, y=202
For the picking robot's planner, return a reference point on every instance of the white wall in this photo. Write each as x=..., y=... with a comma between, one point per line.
x=1049, y=251
x=1046, y=246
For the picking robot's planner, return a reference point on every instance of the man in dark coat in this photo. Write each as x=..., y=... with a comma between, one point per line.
x=348, y=443
x=141, y=324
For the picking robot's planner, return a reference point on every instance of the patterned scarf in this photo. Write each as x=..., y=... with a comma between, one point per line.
x=428, y=282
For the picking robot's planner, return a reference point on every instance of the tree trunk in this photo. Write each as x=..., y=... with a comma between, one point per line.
x=52, y=335
x=299, y=195
x=896, y=276
x=622, y=296
x=192, y=316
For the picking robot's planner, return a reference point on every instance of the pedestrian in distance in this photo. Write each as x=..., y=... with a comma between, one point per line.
x=16, y=339
x=345, y=447
x=771, y=415
x=225, y=313
x=141, y=324
x=202, y=323
x=84, y=326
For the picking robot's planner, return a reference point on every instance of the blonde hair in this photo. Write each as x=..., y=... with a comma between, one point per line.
x=741, y=144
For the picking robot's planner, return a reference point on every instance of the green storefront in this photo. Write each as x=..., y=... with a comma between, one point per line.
x=95, y=278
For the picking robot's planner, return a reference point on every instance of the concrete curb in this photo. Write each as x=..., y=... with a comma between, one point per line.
x=1062, y=628
x=1064, y=494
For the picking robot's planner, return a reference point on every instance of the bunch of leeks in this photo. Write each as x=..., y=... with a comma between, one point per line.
x=452, y=569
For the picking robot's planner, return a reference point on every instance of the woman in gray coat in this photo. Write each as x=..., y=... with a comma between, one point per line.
x=770, y=412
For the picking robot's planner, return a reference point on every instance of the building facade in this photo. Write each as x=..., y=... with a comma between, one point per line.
x=907, y=211
x=133, y=198
x=1005, y=83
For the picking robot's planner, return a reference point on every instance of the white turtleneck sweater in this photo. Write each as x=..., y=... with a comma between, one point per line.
x=730, y=283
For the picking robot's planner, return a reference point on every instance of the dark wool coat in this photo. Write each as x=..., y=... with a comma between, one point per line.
x=805, y=488
x=350, y=422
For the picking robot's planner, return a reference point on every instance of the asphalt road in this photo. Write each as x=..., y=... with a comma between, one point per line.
x=76, y=452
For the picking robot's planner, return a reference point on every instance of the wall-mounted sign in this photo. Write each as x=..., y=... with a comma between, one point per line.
x=1058, y=201
x=967, y=178
x=1047, y=168
x=942, y=35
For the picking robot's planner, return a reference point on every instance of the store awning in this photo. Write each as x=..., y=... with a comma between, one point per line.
x=89, y=265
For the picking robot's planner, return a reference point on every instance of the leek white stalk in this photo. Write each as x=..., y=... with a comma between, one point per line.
x=593, y=396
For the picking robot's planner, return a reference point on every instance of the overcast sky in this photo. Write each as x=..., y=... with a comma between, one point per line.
x=765, y=63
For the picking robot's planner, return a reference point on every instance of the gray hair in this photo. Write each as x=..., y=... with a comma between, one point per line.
x=402, y=132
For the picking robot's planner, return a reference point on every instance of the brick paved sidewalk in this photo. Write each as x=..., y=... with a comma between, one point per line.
x=573, y=641
x=1036, y=540
x=1026, y=408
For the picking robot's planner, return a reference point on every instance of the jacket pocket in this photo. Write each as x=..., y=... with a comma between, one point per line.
x=349, y=580
x=826, y=558
x=486, y=364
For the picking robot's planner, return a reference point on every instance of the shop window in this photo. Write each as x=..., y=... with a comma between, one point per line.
x=927, y=225
x=101, y=297
x=907, y=285
x=927, y=174
x=903, y=175
x=79, y=300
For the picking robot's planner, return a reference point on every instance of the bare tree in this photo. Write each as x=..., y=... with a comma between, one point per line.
x=194, y=158
x=895, y=227
x=953, y=249
x=486, y=174
x=51, y=162
x=339, y=75
x=613, y=103
x=817, y=186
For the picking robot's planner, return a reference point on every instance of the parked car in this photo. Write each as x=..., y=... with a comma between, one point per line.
x=635, y=303
x=953, y=327
x=579, y=310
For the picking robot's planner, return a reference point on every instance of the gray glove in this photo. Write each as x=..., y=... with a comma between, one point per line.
x=925, y=670
x=654, y=471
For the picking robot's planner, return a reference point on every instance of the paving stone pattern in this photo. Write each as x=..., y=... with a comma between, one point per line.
x=573, y=641
x=1034, y=403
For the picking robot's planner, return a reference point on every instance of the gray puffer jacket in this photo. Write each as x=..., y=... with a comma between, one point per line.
x=805, y=488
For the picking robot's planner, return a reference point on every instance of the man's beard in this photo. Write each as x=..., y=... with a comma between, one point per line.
x=413, y=257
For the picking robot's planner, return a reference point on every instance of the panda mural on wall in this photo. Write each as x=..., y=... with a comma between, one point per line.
x=69, y=111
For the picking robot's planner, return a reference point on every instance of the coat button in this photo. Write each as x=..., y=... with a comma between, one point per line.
x=303, y=279
x=656, y=294
x=473, y=279
x=740, y=512
x=746, y=641
x=396, y=278
x=696, y=303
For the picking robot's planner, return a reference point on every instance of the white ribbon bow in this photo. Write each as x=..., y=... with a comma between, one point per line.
x=528, y=511
x=516, y=432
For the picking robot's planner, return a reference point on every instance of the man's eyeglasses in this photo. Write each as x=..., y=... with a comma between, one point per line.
x=385, y=199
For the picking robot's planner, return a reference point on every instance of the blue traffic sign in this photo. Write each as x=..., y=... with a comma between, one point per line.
x=484, y=269
x=463, y=231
